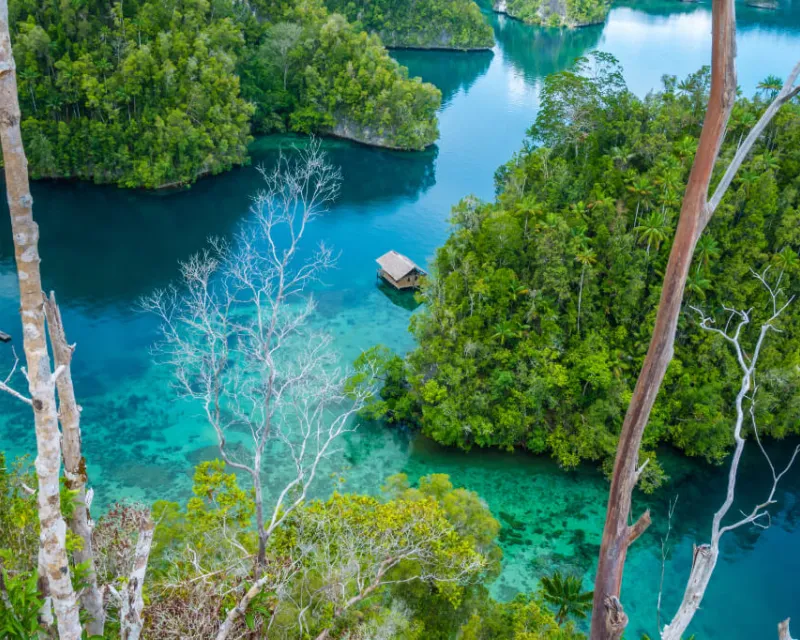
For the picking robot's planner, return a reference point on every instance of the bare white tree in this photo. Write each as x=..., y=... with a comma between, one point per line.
x=236, y=332
x=69, y=415
x=706, y=555
x=130, y=599
x=54, y=569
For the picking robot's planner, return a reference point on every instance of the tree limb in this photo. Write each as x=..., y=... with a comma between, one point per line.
x=54, y=563
x=69, y=415
x=706, y=555
x=639, y=527
x=787, y=92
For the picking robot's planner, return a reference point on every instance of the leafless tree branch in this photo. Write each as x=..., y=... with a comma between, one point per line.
x=236, y=334
x=706, y=555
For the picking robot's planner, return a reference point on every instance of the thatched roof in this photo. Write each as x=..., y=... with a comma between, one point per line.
x=397, y=265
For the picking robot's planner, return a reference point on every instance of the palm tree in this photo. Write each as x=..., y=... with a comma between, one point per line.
x=787, y=260
x=641, y=187
x=505, y=330
x=707, y=250
x=567, y=595
x=769, y=161
x=516, y=290
x=586, y=257
x=770, y=86
x=748, y=178
x=30, y=77
x=686, y=148
x=654, y=230
x=671, y=180
x=578, y=207
x=620, y=157
x=602, y=202
x=697, y=284
x=742, y=121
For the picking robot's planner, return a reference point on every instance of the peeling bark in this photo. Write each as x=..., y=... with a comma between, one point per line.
x=69, y=413
x=46, y=619
x=615, y=618
x=41, y=382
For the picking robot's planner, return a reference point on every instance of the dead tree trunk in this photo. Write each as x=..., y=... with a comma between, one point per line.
x=41, y=380
x=693, y=219
x=696, y=211
x=74, y=465
x=131, y=601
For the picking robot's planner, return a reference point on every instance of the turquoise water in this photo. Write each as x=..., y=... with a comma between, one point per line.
x=103, y=248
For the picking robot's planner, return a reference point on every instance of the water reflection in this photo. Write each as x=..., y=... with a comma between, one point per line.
x=404, y=299
x=785, y=18
x=450, y=72
x=535, y=52
x=102, y=245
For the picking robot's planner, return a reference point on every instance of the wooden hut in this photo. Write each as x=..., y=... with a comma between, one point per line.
x=399, y=271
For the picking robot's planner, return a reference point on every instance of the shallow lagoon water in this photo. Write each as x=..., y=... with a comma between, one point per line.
x=104, y=247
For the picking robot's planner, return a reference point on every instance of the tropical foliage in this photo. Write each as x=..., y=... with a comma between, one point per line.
x=411, y=563
x=567, y=595
x=147, y=93
x=448, y=24
x=540, y=306
x=571, y=13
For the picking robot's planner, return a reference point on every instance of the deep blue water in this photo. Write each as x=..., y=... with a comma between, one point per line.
x=104, y=247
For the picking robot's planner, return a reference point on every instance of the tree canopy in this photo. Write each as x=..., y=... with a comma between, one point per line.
x=147, y=93
x=540, y=305
x=570, y=13
x=427, y=24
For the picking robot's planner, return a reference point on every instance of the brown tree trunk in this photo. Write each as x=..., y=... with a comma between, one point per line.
x=695, y=213
x=74, y=465
x=40, y=377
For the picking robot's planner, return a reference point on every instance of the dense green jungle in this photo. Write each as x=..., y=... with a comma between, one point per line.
x=540, y=309
x=274, y=443
x=152, y=94
x=434, y=24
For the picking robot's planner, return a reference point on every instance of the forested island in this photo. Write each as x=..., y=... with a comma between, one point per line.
x=147, y=94
x=632, y=283
x=425, y=24
x=539, y=310
x=555, y=13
